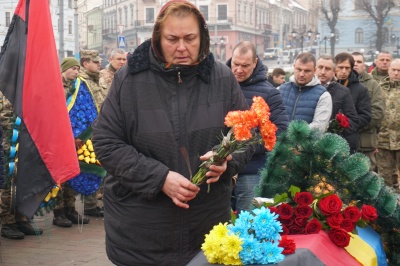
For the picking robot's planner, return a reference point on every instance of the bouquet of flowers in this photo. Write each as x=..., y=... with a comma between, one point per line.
x=300, y=213
x=252, y=238
x=338, y=124
x=239, y=136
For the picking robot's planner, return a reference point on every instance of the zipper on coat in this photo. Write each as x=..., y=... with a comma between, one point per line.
x=295, y=104
x=179, y=77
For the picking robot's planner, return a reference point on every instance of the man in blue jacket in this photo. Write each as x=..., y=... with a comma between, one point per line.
x=304, y=96
x=251, y=75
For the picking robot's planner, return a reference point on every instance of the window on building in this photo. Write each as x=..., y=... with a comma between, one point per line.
x=222, y=12
x=149, y=14
x=8, y=19
x=69, y=27
x=251, y=15
x=204, y=11
x=245, y=13
x=120, y=16
x=359, y=35
x=238, y=11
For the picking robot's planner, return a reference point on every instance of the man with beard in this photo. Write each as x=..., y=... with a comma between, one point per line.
x=251, y=75
x=349, y=78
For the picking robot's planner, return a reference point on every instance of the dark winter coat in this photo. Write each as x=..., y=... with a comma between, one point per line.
x=343, y=102
x=369, y=134
x=257, y=85
x=362, y=102
x=271, y=80
x=148, y=115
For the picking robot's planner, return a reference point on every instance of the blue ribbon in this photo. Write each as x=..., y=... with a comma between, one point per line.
x=374, y=240
x=14, y=136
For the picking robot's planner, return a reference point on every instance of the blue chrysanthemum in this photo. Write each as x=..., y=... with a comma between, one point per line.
x=271, y=253
x=85, y=183
x=84, y=111
x=265, y=225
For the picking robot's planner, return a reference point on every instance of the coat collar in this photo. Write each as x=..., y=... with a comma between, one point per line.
x=140, y=61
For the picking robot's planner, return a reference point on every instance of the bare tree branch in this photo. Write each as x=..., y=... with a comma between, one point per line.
x=378, y=13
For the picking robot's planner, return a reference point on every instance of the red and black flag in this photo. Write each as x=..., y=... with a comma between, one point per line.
x=30, y=79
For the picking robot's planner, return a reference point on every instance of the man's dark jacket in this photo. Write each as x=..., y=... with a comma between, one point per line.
x=362, y=102
x=342, y=102
x=257, y=85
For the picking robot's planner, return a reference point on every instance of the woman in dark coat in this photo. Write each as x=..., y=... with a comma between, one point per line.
x=164, y=109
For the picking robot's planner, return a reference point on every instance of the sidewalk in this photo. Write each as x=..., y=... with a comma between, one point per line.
x=77, y=245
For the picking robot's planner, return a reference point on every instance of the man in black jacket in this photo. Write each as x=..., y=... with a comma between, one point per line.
x=251, y=75
x=349, y=78
x=341, y=98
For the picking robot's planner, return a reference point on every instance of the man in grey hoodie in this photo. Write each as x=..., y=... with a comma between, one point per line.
x=304, y=96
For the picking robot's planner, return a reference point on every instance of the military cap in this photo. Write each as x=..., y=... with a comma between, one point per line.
x=91, y=54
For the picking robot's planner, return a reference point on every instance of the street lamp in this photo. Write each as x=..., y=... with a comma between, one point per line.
x=222, y=48
x=332, y=43
x=301, y=37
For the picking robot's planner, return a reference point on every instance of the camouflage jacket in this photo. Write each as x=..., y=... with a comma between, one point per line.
x=379, y=76
x=107, y=75
x=7, y=120
x=98, y=90
x=66, y=85
x=368, y=134
x=389, y=135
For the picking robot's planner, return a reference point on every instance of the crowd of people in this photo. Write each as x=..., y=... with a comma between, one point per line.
x=159, y=114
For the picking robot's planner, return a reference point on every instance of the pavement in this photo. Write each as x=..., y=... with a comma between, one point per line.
x=76, y=245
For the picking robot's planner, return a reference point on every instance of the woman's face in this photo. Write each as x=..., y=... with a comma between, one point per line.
x=180, y=40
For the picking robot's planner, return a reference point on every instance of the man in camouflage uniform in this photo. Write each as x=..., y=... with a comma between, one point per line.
x=368, y=140
x=90, y=72
x=117, y=60
x=64, y=212
x=13, y=225
x=389, y=136
x=382, y=61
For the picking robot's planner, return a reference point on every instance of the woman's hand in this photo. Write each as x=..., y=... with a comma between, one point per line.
x=215, y=171
x=179, y=189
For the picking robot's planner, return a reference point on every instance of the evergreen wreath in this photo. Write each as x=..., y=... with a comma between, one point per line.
x=318, y=162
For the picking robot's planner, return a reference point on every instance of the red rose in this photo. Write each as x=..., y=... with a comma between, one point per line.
x=288, y=245
x=368, y=213
x=304, y=211
x=285, y=230
x=343, y=120
x=285, y=211
x=303, y=198
x=330, y=205
x=273, y=209
x=335, y=220
x=287, y=222
x=295, y=230
x=339, y=237
x=352, y=213
x=347, y=225
x=313, y=227
x=300, y=221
